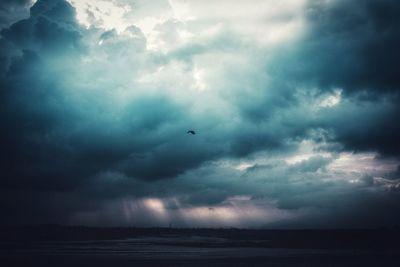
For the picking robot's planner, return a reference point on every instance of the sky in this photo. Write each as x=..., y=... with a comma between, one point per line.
x=295, y=105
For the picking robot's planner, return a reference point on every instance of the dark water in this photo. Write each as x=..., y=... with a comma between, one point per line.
x=182, y=251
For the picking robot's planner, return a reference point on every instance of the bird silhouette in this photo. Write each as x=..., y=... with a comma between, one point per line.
x=191, y=132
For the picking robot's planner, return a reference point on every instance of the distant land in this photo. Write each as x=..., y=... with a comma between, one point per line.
x=307, y=238
x=57, y=245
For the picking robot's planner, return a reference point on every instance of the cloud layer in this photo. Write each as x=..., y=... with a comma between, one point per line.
x=294, y=104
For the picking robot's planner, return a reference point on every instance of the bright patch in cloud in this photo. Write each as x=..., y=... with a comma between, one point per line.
x=363, y=163
x=331, y=100
x=103, y=14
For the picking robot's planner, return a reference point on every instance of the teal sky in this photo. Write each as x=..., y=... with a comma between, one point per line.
x=294, y=104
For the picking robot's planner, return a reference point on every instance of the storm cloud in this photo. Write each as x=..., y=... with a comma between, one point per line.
x=294, y=105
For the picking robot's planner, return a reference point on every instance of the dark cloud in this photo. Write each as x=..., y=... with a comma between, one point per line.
x=39, y=149
x=351, y=46
x=330, y=203
x=12, y=11
x=33, y=108
x=368, y=127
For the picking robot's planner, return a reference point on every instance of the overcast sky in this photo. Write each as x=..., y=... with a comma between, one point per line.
x=295, y=105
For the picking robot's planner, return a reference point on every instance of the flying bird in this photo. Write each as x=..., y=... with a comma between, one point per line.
x=191, y=132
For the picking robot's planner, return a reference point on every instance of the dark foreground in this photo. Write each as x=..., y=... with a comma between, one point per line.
x=82, y=246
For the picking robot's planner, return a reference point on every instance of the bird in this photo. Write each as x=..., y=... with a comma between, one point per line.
x=191, y=132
